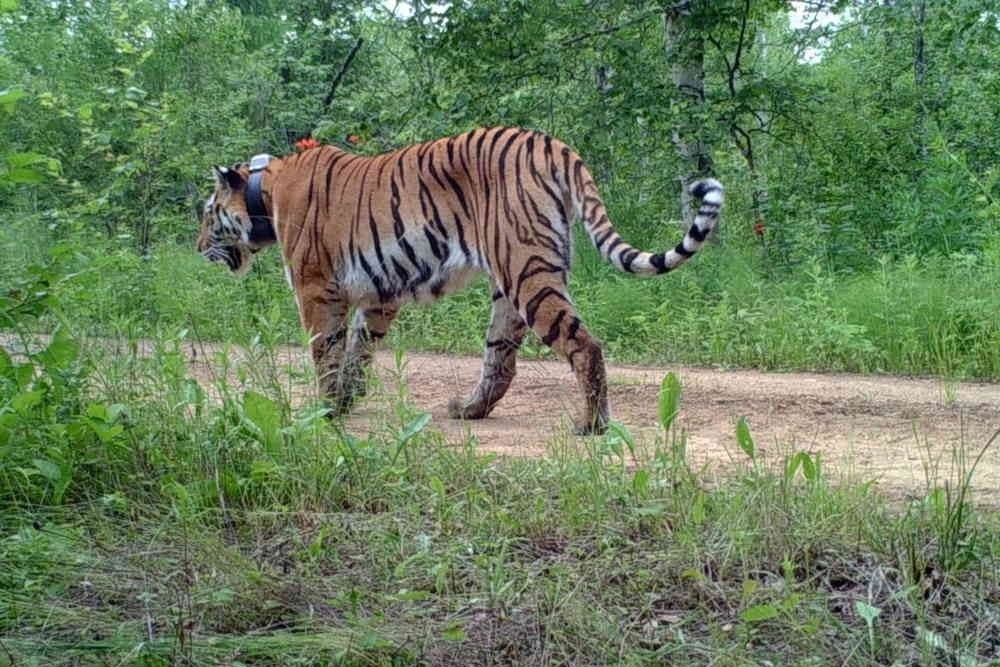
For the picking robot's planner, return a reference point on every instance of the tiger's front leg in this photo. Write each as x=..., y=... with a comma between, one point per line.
x=369, y=327
x=324, y=316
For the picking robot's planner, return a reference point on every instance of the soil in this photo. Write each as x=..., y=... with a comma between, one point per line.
x=902, y=434
x=899, y=432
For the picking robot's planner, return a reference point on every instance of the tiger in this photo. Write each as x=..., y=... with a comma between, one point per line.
x=370, y=233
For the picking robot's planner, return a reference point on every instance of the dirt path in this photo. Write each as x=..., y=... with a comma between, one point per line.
x=896, y=431
x=899, y=432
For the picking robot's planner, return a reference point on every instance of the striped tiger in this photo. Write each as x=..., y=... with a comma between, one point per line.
x=371, y=233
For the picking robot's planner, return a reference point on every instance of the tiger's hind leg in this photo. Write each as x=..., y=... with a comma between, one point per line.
x=369, y=327
x=503, y=339
x=546, y=307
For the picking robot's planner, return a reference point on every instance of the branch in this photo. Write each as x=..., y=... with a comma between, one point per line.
x=340, y=75
x=737, y=65
x=606, y=31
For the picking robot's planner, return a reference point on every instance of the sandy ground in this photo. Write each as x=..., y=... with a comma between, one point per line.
x=899, y=432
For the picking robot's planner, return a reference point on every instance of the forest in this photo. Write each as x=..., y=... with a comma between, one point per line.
x=150, y=516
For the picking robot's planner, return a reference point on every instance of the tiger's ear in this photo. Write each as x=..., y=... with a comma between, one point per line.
x=229, y=179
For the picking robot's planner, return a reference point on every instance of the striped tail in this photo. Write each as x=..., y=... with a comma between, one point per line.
x=626, y=258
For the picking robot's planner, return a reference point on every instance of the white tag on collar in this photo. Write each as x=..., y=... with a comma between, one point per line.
x=259, y=162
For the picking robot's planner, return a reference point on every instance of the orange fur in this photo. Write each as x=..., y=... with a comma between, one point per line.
x=371, y=233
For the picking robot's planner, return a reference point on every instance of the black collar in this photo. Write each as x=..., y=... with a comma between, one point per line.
x=262, y=227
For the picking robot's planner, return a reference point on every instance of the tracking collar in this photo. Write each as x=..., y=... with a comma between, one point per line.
x=262, y=228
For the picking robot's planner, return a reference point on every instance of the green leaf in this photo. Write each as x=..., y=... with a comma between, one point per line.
x=9, y=96
x=265, y=415
x=60, y=354
x=792, y=464
x=619, y=434
x=26, y=400
x=454, y=632
x=670, y=398
x=810, y=467
x=49, y=470
x=744, y=439
x=866, y=611
x=409, y=431
x=222, y=596
x=6, y=365
x=758, y=613
x=27, y=175
x=26, y=159
x=414, y=427
x=640, y=482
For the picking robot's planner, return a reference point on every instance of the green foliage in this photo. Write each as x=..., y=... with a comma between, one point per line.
x=156, y=517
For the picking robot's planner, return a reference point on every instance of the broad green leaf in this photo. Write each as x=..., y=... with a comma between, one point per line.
x=61, y=352
x=415, y=426
x=810, y=467
x=49, y=470
x=640, y=482
x=670, y=399
x=26, y=400
x=260, y=470
x=618, y=431
x=744, y=439
x=758, y=613
x=265, y=414
x=867, y=611
x=26, y=159
x=25, y=175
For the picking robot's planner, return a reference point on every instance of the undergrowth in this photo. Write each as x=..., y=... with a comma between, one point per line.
x=150, y=517
x=907, y=316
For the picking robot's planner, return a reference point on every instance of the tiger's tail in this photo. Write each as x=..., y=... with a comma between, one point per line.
x=614, y=249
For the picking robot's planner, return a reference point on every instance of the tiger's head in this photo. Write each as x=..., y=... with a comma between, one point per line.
x=226, y=223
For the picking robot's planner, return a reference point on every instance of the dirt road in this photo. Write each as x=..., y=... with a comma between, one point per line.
x=896, y=431
x=899, y=432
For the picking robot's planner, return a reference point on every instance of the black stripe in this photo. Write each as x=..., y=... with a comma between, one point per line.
x=627, y=257
x=531, y=308
x=440, y=250
x=403, y=274
x=534, y=266
x=574, y=327
x=553, y=333
x=659, y=261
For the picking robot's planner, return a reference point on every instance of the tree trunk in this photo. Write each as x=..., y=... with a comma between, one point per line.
x=685, y=51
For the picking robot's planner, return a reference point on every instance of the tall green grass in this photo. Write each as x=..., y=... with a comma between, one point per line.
x=933, y=315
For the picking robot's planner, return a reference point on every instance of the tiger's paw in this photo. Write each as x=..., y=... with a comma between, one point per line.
x=460, y=409
x=338, y=406
x=598, y=426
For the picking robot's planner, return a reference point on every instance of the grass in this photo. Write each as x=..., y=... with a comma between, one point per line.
x=925, y=317
x=147, y=520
